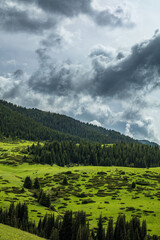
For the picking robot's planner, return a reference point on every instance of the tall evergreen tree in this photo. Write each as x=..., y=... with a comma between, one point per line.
x=100, y=229
x=66, y=228
x=36, y=183
x=110, y=232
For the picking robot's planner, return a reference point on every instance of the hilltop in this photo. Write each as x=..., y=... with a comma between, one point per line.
x=34, y=124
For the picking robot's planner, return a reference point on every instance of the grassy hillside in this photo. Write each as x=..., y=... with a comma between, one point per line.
x=9, y=233
x=56, y=122
x=96, y=190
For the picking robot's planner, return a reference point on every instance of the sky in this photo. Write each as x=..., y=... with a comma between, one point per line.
x=97, y=61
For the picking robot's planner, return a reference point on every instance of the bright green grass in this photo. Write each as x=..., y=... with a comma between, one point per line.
x=10, y=233
x=12, y=152
x=118, y=197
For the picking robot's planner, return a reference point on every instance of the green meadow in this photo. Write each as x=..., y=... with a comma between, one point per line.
x=9, y=233
x=97, y=190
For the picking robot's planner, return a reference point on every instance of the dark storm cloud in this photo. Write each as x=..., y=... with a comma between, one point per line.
x=12, y=93
x=14, y=90
x=18, y=74
x=13, y=19
x=67, y=8
x=121, y=78
x=141, y=131
x=117, y=18
x=72, y=8
x=134, y=72
x=50, y=78
x=120, y=55
x=53, y=40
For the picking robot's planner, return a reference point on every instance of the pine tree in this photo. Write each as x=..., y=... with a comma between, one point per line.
x=100, y=230
x=44, y=199
x=65, y=182
x=66, y=228
x=36, y=184
x=27, y=183
x=83, y=232
x=54, y=234
x=143, y=230
x=120, y=229
x=110, y=233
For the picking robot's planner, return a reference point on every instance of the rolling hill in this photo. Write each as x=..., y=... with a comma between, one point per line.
x=34, y=124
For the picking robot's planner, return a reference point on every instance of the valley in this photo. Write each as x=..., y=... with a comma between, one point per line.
x=94, y=189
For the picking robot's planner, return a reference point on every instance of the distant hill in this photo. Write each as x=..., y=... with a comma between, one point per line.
x=34, y=124
x=146, y=142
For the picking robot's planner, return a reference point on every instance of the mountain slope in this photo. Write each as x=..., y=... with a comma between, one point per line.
x=16, y=125
x=68, y=125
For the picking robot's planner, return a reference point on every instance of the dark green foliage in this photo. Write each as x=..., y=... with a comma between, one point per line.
x=120, y=229
x=119, y=154
x=65, y=182
x=27, y=183
x=110, y=233
x=36, y=183
x=16, y=125
x=79, y=228
x=83, y=232
x=54, y=234
x=133, y=185
x=100, y=230
x=66, y=229
x=33, y=124
x=17, y=216
x=74, y=227
x=143, y=230
x=44, y=199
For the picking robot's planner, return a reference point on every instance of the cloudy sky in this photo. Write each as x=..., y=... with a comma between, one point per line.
x=95, y=60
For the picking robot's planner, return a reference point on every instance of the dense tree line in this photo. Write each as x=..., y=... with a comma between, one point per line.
x=120, y=154
x=75, y=226
x=47, y=122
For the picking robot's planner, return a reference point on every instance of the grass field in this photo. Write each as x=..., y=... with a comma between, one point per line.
x=96, y=190
x=10, y=233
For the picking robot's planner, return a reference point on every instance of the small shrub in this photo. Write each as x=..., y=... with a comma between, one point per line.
x=65, y=182
x=133, y=185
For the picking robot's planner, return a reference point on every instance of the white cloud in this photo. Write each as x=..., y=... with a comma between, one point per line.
x=127, y=130
x=96, y=123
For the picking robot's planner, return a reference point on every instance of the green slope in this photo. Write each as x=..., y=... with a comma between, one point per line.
x=68, y=125
x=17, y=125
x=10, y=233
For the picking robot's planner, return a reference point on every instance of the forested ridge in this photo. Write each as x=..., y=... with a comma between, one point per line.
x=48, y=122
x=16, y=125
x=119, y=154
x=75, y=226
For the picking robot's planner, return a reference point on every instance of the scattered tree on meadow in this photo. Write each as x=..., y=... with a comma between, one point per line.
x=27, y=182
x=36, y=183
